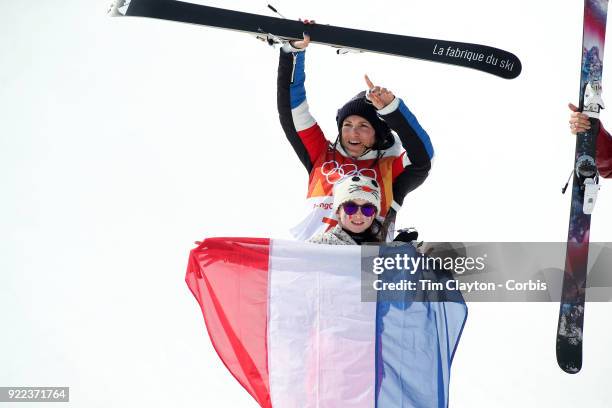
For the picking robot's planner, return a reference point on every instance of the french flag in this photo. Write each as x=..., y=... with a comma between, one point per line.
x=288, y=321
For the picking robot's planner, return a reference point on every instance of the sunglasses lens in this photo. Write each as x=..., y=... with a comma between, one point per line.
x=368, y=210
x=350, y=208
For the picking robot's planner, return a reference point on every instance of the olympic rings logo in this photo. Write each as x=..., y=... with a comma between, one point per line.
x=334, y=172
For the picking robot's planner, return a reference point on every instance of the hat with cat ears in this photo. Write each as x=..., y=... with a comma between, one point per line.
x=356, y=187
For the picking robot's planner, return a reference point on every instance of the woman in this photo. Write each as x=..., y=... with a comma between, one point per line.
x=366, y=146
x=579, y=122
x=356, y=203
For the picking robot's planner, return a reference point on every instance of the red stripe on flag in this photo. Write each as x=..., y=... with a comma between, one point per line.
x=229, y=279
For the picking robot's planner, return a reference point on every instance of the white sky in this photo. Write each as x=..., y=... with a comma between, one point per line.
x=122, y=141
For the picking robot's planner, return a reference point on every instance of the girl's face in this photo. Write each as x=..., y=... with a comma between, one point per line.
x=356, y=222
x=357, y=135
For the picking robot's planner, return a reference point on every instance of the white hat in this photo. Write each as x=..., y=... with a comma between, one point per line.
x=354, y=187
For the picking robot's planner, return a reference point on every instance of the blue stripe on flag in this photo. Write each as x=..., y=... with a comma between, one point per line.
x=415, y=339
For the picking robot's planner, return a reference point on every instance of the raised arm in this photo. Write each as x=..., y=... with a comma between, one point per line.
x=299, y=126
x=411, y=168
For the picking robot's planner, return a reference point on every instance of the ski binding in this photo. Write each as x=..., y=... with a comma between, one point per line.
x=586, y=170
x=591, y=188
x=119, y=8
x=344, y=51
x=592, y=99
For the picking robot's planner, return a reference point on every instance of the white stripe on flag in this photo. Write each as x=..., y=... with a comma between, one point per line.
x=321, y=336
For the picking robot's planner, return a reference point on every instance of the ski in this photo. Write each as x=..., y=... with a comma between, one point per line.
x=584, y=191
x=480, y=57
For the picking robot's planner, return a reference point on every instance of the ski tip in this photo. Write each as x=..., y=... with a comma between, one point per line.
x=569, y=356
x=517, y=67
x=570, y=369
x=501, y=63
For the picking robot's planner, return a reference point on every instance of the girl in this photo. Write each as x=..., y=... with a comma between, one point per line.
x=356, y=203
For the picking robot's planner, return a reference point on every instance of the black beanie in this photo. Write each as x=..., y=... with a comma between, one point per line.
x=360, y=106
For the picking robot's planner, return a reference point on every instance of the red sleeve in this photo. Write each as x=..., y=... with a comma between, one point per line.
x=398, y=166
x=314, y=141
x=604, y=153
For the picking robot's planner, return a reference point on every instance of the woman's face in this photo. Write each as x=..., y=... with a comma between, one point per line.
x=357, y=135
x=356, y=222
